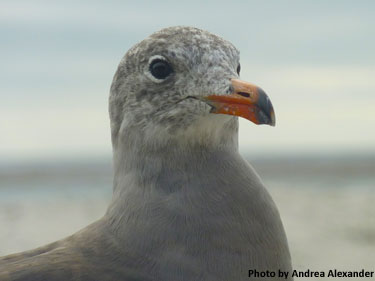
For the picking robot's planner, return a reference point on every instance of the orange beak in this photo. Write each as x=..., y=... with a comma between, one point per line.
x=247, y=101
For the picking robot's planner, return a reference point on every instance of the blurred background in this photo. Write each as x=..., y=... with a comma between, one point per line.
x=315, y=59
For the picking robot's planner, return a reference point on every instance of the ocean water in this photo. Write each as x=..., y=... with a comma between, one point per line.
x=327, y=205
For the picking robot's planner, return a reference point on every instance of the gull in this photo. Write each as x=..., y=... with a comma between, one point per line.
x=185, y=205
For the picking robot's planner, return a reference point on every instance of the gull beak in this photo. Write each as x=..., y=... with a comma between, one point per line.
x=247, y=101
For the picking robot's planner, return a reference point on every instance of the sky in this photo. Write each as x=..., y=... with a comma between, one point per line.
x=315, y=59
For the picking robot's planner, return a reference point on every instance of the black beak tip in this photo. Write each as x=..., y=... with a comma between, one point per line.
x=266, y=114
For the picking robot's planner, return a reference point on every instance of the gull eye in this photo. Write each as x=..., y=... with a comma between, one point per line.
x=160, y=68
x=238, y=69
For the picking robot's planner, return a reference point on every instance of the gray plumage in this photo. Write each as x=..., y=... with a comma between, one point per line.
x=185, y=205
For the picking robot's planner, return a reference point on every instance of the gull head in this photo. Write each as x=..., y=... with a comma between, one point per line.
x=181, y=84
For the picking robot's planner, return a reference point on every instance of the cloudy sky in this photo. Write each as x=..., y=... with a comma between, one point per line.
x=315, y=59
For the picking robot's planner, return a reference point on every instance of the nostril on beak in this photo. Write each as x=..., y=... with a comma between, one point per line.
x=246, y=95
